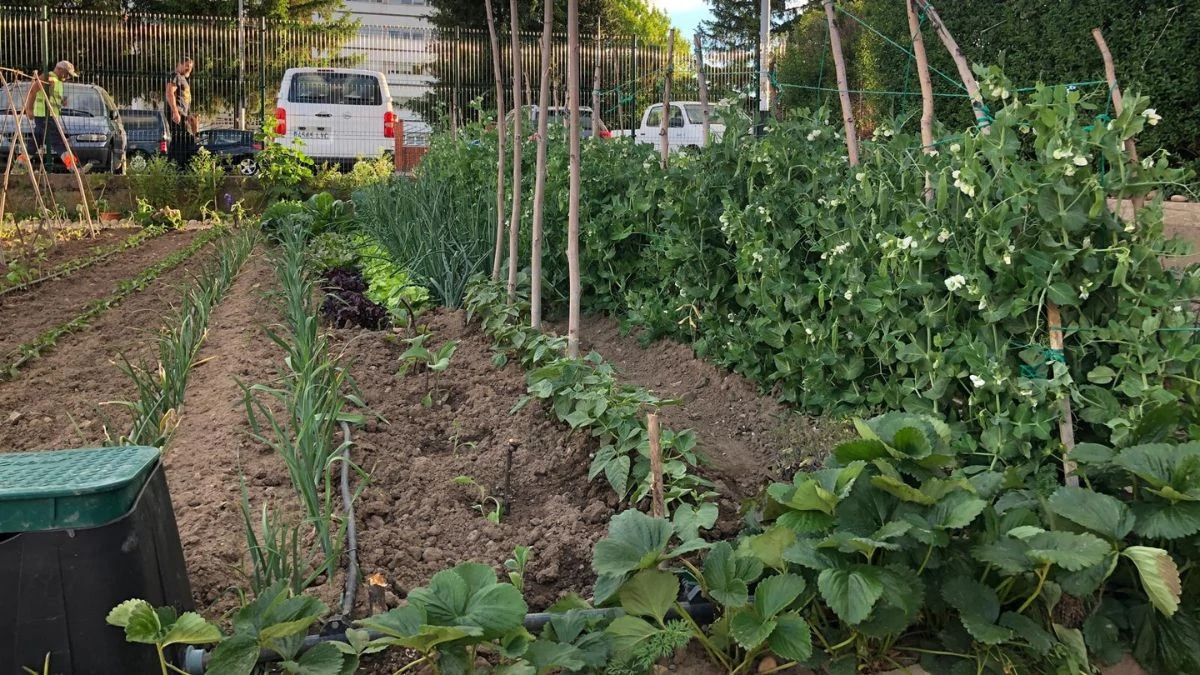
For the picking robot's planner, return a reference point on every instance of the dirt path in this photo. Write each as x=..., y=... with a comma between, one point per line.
x=212, y=443
x=70, y=249
x=24, y=316
x=62, y=400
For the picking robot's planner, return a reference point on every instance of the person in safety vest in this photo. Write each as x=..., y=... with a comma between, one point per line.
x=48, y=100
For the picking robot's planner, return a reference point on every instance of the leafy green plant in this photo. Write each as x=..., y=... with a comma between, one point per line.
x=277, y=620
x=275, y=554
x=390, y=285
x=162, y=627
x=283, y=167
x=332, y=250
x=435, y=362
x=149, y=216
x=158, y=183
x=462, y=612
x=205, y=180
x=489, y=506
x=516, y=566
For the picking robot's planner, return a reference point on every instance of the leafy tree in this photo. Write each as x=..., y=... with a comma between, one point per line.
x=735, y=23
x=612, y=17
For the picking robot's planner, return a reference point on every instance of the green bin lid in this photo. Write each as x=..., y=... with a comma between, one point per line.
x=71, y=489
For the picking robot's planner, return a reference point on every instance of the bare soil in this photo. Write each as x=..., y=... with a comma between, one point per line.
x=28, y=313
x=61, y=251
x=65, y=398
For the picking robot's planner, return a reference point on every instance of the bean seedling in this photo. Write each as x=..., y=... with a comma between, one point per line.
x=436, y=362
x=491, y=507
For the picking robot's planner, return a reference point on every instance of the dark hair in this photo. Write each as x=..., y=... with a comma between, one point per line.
x=186, y=59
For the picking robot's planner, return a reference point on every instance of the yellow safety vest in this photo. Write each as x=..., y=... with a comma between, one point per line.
x=56, y=97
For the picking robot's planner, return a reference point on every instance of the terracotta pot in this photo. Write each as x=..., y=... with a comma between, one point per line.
x=109, y=216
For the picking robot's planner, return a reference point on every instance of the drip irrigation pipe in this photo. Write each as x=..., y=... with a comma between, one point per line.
x=351, y=530
x=196, y=660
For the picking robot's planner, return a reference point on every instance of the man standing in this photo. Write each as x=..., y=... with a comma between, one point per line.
x=48, y=101
x=179, y=109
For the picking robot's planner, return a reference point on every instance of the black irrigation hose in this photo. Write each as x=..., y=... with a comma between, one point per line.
x=351, y=530
x=703, y=613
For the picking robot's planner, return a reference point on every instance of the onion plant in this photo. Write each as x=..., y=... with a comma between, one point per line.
x=299, y=415
x=424, y=227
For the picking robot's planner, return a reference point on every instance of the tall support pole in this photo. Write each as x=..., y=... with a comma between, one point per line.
x=764, y=59
x=500, y=133
x=241, y=83
x=514, y=224
x=706, y=113
x=539, y=188
x=960, y=62
x=262, y=70
x=1118, y=103
x=663, y=137
x=596, y=101
x=839, y=63
x=922, y=59
x=575, y=288
x=45, y=29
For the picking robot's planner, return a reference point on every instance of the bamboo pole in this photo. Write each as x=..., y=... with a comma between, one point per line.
x=839, y=63
x=960, y=61
x=1066, y=425
x=539, y=189
x=706, y=114
x=514, y=225
x=500, y=147
x=922, y=59
x=575, y=289
x=1114, y=90
x=18, y=146
x=664, y=141
x=596, y=103
x=658, y=505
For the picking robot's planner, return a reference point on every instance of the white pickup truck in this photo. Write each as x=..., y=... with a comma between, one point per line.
x=684, y=127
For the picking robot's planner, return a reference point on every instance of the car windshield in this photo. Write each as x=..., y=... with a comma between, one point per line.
x=334, y=88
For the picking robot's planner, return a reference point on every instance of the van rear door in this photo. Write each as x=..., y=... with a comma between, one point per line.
x=337, y=113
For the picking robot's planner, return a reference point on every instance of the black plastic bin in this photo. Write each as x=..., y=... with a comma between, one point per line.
x=80, y=532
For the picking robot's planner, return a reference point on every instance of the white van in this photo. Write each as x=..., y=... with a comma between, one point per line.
x=335, y=115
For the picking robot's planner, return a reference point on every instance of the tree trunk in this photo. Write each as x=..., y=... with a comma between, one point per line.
x=839, y=63
x=514, y=225
x=539, y=190
x=573, y=211
x=705, y=112
x=500, y=148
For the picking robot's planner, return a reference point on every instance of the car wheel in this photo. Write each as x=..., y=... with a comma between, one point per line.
x=137, y=162
x=247, y=166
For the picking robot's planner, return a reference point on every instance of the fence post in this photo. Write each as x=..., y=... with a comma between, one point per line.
x=633, y=56
x=45, y=21
x=262, y=70
x=241, y=82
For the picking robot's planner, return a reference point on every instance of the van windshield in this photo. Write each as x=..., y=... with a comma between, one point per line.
x=334, y=88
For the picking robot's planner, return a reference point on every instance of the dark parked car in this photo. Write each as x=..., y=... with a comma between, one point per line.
x=148, y=136
x=90, y=120
x=238, y=149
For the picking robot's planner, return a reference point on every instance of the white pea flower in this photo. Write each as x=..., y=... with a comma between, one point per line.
x=982, y=304
x=1087, y=242
x=1061, y=153
x=907, y=242
x=933, y=153
x=824, y=256
x=1112, y=125
x=1080, y=160
x=814, y=135
x=808, y=331
x=1177, y=308
x=758, y=256
x=1084, y=293
x=977, y=381
x=860, y=176
x=943, y=236
x=1147, y=163
x=1152, y=116
x=1070, y=171
x=1007, y=259
x=848, y=295
x=1130, y=227
x=955, y=282
x=955, y=148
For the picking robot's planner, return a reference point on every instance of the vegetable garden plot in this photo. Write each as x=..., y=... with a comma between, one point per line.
x=57, y=400
x=29, y=313
x=50, y=256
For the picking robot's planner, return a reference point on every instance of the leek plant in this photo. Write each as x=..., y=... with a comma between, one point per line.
x=298, y=417
x=160, y=389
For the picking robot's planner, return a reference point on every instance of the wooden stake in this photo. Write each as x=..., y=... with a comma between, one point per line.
x=656, y=467
x=918, y=42
x=575, y=289
x=706, y=114
x=596, y=103
x=18, y=146
x=539, y=188
x=500, y=131
x=839, y=63
x=514, y=225
x=1110, y=72
x=960, y=61
x=1066, y=425
x=664, y=142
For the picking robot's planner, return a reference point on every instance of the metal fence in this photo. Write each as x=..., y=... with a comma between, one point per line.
x=432, y=73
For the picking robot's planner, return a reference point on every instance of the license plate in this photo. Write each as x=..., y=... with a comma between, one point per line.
x=312, y=135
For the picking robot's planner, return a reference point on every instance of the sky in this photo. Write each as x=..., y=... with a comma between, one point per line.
x=685, y=14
